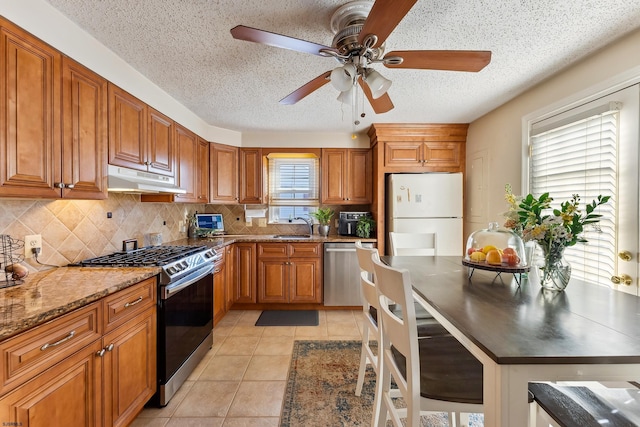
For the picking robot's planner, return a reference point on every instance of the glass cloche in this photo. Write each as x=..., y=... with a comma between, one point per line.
x=495, y=247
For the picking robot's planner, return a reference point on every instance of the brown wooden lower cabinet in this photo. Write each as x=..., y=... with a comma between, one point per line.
x=245, y=262
x=129, y=368
x=289, y=273
x=68, y=394
x=67, y=380
x=219, y=288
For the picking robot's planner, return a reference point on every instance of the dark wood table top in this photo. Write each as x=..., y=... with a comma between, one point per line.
x=514, y=324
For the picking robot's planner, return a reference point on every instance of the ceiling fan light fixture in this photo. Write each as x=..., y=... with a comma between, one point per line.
x=378, y=84
x=342, y=78
x=346, y=97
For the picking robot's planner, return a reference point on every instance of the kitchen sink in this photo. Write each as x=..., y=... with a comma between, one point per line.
x=292, y=236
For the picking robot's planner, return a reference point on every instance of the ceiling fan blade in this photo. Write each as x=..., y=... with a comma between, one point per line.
x=380, y=105
x=451, y=60
x=305, y=90
x=249, y=34
x=385, y=15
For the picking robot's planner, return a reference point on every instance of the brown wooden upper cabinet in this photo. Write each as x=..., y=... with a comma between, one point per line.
x=53, y=132
x=223, y=165
x=346, y=176
x=420, y=155
x=193, y=166
x=250, y=175
x=139, y=137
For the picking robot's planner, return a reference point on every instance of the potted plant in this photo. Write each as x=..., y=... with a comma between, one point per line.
x=365, y=227
x=323, y=215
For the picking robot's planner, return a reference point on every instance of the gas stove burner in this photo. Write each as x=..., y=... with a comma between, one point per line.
x=144, y=257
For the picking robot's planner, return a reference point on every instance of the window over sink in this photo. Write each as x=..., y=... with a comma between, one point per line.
x=293, y=183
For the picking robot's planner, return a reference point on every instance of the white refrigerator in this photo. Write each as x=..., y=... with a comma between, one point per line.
x=427, y=203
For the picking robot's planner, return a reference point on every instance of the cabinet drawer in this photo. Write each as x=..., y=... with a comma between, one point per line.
x=30, y=353
x=128, y=303
x=305, y=250
x=272, y=250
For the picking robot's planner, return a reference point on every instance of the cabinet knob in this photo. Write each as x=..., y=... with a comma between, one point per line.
x=59, y=185
x=109, y=347
x=101, y=352
x=69, y=185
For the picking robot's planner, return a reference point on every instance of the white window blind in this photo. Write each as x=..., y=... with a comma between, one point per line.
x=578, y=155
x=293, y=181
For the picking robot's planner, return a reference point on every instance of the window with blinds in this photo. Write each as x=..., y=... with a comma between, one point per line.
x=577, y=154
x=293, y=186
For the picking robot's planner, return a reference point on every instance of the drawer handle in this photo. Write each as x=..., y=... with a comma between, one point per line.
x=67, y=338
x=132, y=303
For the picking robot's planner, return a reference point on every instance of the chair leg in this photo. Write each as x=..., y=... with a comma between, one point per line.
x=363, y=357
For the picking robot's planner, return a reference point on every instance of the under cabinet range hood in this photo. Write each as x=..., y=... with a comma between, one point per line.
x=124, y=180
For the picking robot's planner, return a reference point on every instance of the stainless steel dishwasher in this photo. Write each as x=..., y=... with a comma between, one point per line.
x=342, y=274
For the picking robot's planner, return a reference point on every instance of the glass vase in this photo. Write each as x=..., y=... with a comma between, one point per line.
x=553, y=269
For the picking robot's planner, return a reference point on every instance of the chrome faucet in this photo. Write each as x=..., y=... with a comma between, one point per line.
x=309, y=223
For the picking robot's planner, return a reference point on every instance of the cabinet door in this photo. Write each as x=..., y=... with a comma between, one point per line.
x=202, y=170
x=29, y=104
x=68, y=394
x=245, y=290
x=334, y=177
x=186, y=177
x=403, y=154
x=230, y=269
x=273, y=280
x=127, y=130
x=84, y=138
x=224, y=174
x=305, y=280
x=129, y=369
x=161, y=144
x=444, y=156
x=250, y=175
x=359, y=176
x=219, y=291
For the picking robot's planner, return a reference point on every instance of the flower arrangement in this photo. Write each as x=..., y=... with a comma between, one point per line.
x=553, y=232
x=562, y=228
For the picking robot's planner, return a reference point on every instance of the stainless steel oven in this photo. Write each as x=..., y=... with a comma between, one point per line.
x=185, y=324
x=185, y=307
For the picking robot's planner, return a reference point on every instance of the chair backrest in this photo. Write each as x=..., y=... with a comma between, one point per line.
x=413, y=244
x=367, y=285
x=394, y=285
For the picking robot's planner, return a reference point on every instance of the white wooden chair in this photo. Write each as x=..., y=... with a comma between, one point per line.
x=432, y=374
x=413, y=244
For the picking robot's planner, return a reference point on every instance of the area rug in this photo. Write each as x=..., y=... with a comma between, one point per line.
x=288, y=318
x=321, y=388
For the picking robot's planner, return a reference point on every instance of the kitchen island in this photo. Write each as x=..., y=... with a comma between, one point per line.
x=522, y=333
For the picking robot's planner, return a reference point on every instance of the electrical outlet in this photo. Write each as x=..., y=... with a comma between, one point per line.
x=32, y=242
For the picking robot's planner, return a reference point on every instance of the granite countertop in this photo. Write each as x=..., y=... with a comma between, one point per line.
x=48, y=294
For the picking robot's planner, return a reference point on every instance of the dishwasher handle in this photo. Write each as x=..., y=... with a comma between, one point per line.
x=340, y=249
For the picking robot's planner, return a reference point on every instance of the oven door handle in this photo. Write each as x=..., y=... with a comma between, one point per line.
x=171, y=289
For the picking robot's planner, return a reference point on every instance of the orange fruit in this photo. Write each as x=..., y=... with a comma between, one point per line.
x=494, y=257
x=488, y=248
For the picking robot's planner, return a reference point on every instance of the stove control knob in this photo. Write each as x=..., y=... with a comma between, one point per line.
x=171, y=270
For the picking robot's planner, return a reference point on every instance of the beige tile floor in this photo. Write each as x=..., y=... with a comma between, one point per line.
x=241, y=381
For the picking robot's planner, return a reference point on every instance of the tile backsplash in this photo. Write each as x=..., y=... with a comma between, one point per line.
x=73, y=230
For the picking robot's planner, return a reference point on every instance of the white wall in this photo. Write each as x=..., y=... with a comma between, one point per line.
x=494, y=141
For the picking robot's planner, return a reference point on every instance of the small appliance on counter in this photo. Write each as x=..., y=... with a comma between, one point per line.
x=347, y=222
x=208, y=225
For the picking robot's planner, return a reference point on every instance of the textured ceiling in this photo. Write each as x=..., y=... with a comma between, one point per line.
x=184, y=46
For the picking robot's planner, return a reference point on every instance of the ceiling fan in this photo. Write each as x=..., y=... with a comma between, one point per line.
x=361, y=28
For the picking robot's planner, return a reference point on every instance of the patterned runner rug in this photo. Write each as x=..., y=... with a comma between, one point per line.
x=321, y=388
